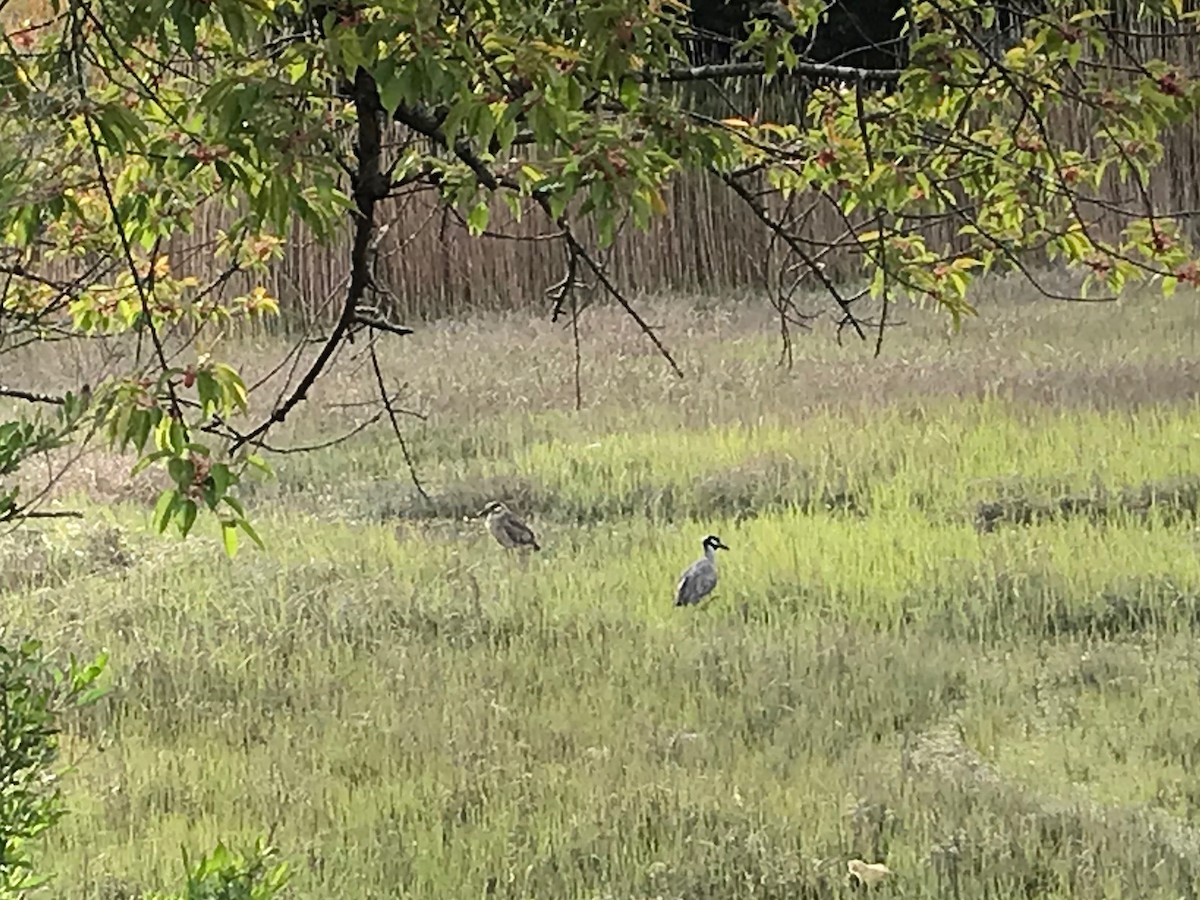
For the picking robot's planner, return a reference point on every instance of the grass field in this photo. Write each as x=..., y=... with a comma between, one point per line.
x=956, y=630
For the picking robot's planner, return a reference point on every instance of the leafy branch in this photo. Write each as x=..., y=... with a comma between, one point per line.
x=123, y=123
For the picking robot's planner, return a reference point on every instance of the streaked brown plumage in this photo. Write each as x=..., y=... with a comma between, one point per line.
x=508, y=530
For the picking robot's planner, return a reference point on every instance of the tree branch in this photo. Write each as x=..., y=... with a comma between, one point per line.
x=369, y=187
x=20, y=513
x=741, y=70
x=31, y=396
x=794, y=245
x=391, y=413
x=428, y=125
x=381, y=324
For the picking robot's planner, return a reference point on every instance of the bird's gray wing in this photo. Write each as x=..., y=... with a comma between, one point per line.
x=680, y=588
x=518, y=531
x=697, y=582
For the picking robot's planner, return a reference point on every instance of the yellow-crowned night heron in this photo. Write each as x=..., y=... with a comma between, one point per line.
x=508, y=530
x=700, y=577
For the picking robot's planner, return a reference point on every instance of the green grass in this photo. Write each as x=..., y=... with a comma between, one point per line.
x=1005, y=711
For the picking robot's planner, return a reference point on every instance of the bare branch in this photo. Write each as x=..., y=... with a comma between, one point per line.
x=143, y=289
x=18, y=513
x=814, y=266
x=615, y=292
x=564, y=289
x=755, y=69
x=222, y=430
x=387, y=405
x=380, y=324
x=880, y=216
x=428, y=124
x=32, y=396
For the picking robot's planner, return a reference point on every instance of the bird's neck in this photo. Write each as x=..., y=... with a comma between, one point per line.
x=710, y=553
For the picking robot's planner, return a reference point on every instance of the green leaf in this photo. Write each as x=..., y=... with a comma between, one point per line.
x=140, y=424
x=208, y=392
x=165, y=508
x=91, y=695
x=221, y=478
x=477, y=219
x=229, y=538
x=187, y=32
x=393, y=86
x=233, y=389
x=249, y=529
x=513, y=202
x=177, y=435
x=182, y=471
x=187, y=516
x=631, y=92
x=148, y=460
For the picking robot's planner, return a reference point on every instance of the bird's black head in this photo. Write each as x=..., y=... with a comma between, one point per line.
x=493, y=506
x=712, y=542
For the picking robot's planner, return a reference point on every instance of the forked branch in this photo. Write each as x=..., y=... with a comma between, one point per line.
x=370, y=186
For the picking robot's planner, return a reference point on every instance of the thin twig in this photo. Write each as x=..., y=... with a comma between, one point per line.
x=578, y=350
x=221, y=429
x=119, y=225
x=616, y=294
x=880, y=215
x=818, y=270
x=387, y=405
x=21, y=513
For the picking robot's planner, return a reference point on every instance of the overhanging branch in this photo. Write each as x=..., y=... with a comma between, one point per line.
x=370, y=186
x=31, y=396
x=426, y=124
x=753, y=69
x=813, y=265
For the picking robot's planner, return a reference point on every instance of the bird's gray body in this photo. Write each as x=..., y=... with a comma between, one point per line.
x=508, y=530
x=699, y=579
x=697, y=582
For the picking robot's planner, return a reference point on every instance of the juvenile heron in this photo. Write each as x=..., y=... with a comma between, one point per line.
x=700, y=577
x=508, y=530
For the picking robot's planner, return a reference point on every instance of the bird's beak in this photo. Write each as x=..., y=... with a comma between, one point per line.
x=722, y=546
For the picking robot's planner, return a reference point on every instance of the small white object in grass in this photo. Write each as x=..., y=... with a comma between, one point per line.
x=868, y=873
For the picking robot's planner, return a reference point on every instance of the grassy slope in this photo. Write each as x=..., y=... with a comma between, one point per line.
x=1004, y=713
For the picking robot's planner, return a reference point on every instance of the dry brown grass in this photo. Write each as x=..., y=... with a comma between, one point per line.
x=506, y=378
x=99, y=474
x=13, y=12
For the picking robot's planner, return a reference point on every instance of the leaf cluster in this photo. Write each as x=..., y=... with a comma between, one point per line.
x=35, y=693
